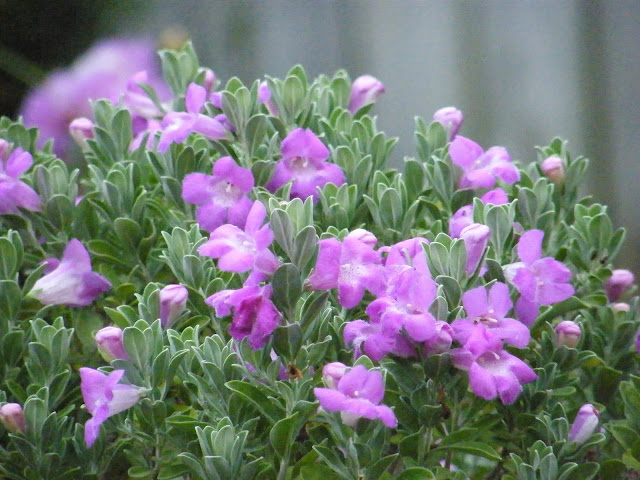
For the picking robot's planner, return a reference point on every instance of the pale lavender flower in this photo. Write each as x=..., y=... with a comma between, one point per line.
x=239, y=251
x=489, y=309
x=365, y=90
x=332, y=373
x=173, y=301
x=481, y=168
x=619, y=281
x=463, y=217
x=553, y=169
x=14, y=193
x=351, y=266
x=494, y=373
x=304, y=162
x=221, y=198
x=358, y=395
x=102, y=72
x=568, y=333
x=255, y=317
x=620, y=307
x=109, y=342
x=12, y=417
x=451, y=119
x=540, y=281
x=72, y=283
x=476, y=238
x=81, y=130
x=178, y=125
x=104, y=397
x=585, y=424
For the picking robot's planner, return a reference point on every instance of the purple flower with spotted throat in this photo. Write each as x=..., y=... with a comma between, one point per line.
x=221, y=198
x=178, y=125
x=72, y=282
x=104, y=397
x=358, y=394
x=540, y=281
x=14, y=193
x=481, y=168
x=304, y=162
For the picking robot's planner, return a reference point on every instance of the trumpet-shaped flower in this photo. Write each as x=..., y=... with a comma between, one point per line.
x=463, y=217
x=255, y=317
x=304, y=162
x=481, y=168
x=72, y=282
x=239, y=251
x=221, y=198
x=178, y=125
x=15, y=194
x=540, y=281
x=358, y=394
x=104, y=396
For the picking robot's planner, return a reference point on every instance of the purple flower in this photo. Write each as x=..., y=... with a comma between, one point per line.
x=151, y=126
x=585, y=424
x=616, y=285
x=173, y=300
x=553, y=169
x=364, y=91
x=221, y=198
x=568, y=333
x=136, y=100
x=359, y=394
x=368, y=337
x=102, y=72
x=264, y=97
x=178, y=125
x=489, y=310
x=451, y=119
x=494, y=373
x=476, y=238
x=15, y=194
x=351, y=266
x=72, y=283
x=104, y=396
x=239, y=251
x=332, y=373
x=540, y=281
x=255, y=317
x=12, y=417
x=304, y=162
x=464, y=215
x=481, y=168
x=81, y=130
x=109, y=342
x=406, y=252
x=441, y=341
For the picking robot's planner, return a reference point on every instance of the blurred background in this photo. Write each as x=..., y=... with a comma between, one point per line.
x=522, y=72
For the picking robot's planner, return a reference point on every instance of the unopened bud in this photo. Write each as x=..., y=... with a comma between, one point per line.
x=216, y=100
x=364, y=91
x=264, y=96
x=12, y=417
x=568, y=333
x=476, y=238
x=81, y=129
x=619, y=281
x=620, y=307
x=332, y=373
x=365, y=236
x=585, y=424
x=209, y=81
x=109, y=342
x=4, y=149
x=173, y=300
x=553, y=169
x=451, y=119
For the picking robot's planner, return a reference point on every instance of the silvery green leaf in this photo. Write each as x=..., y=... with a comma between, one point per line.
x=287, y=340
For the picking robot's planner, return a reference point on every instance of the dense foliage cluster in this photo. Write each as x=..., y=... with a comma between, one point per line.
x=233, y=284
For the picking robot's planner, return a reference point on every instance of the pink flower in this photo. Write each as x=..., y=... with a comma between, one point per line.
x=481, y=168
x=109, y=342
x=72, y=282
x=15, y=194
x=619, y=281
x=104, y=397
x=12, y=417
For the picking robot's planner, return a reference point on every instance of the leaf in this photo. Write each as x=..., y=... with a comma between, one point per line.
x=287, y=288
x=415, y=473
x=283, y=434
x=479, y=449
x=264, y=404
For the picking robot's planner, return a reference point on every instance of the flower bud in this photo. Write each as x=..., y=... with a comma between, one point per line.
x=81, y=129
x=568, y=333
x=461, y=219
x=451, y=119
x=109, y=342
x=476, y=238
x=620, y=307
x=12, y=417
x=441, y=341
x=364, y=91
x=364, y=236
x=216, y=100
x=553, y=169
x=264, y=96
x=332, y=373
x=173, y=300
x=584, y=425
x=619, y=281
x=209, y=81
x=4, y=149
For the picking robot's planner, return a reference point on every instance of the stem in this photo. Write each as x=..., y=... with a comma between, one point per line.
x=284, y=464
